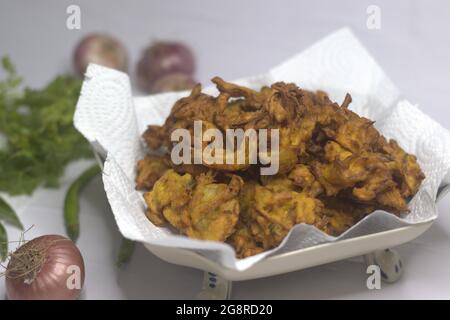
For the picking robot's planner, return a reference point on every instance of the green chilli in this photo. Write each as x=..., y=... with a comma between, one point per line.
x=3, y=243
x=71, y=202
x=125, y=252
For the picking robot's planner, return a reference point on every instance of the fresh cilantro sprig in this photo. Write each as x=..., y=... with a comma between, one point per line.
x=40, y=139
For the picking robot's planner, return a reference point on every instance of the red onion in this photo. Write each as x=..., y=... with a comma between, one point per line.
x=46, y=268
x=101, y=49
x=163, y=58
x=173, y=82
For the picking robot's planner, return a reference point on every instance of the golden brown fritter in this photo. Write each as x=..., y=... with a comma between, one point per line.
x=334, y=151
x=334, y=168
x=303, y=178
x=169, y=199
x=214, y=208
x=276, y=211
x=407, y=170
x=340, y=214
x=244, y=242
x=149, y=170
x=199, y=208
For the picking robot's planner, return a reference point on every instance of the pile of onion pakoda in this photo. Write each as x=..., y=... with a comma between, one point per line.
x=334, y=169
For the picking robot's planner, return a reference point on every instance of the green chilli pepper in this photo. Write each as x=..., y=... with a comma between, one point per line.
x=3, y=243
x=125, y=252
x=71, y=202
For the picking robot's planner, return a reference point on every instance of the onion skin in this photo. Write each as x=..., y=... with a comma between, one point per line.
x=101, y=49
x=50, y=282
x=164, y=58
x=173, y=82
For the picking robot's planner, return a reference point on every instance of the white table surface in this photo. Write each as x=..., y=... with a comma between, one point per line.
x=234, y=39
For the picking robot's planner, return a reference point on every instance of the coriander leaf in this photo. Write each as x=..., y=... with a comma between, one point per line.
x=8, y=215
x=40, y=137
x=8, y=66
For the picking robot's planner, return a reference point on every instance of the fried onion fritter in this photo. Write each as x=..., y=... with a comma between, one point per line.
x=276, y=211
x=341, y=214
x=169, y=198
x=198, y=207
x=244, y=243
x=149, y=170
x=334, y=168
x=214, y=208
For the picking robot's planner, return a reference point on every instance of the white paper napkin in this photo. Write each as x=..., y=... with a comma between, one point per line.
x=109, y=117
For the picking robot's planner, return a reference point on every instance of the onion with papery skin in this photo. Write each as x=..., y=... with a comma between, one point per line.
x=164, y=58
x=101, y=49
x=46, y=268
x=173, y=82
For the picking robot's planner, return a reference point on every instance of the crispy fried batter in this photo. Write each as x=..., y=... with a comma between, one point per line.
x=407, y=170
x=244, y=243
x=276, y=211
x=214, y=208
x=169, y=199
x=199, y=208
x=150, y=169
x=341, y=214
x=302, y=177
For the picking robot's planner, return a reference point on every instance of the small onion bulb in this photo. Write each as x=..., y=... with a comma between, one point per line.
x=101, y=49
x=161, y=59
x=46, y=268
x=173, y=82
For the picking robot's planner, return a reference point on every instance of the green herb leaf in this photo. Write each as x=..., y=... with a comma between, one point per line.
x=3, y=243
x=40, y=137
x=8, y=66
x=7, y=214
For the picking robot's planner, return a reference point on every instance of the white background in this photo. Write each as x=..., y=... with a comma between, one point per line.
x=234, y=39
